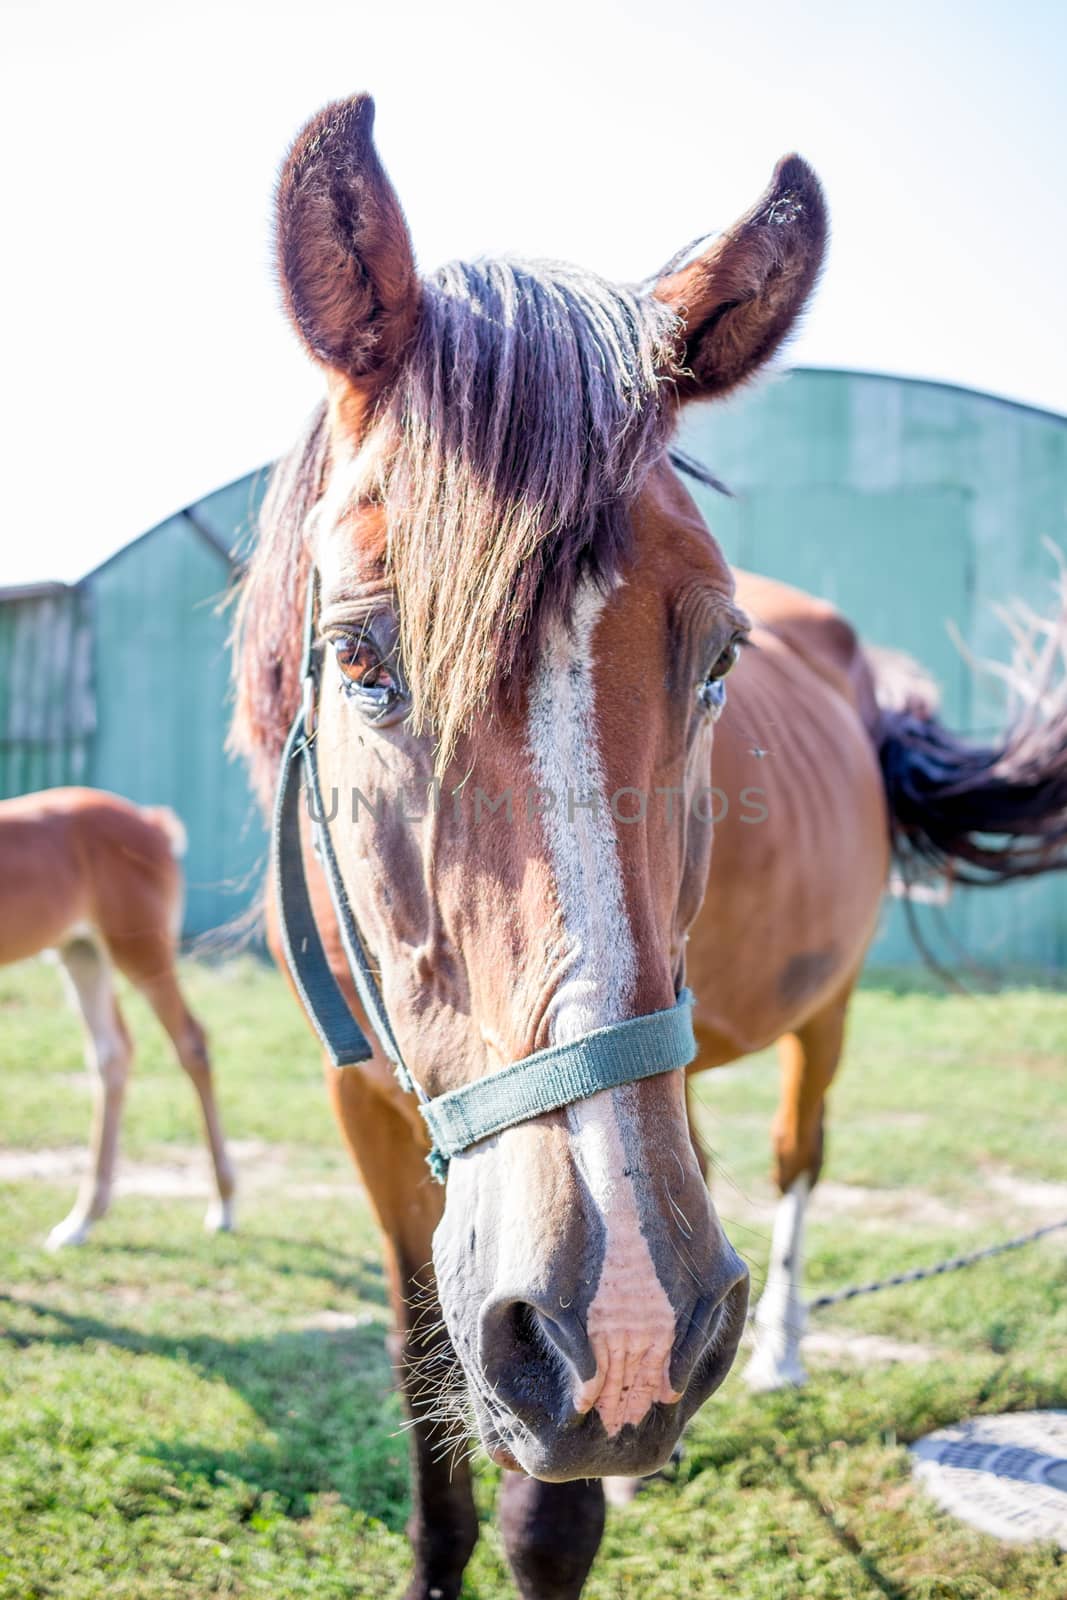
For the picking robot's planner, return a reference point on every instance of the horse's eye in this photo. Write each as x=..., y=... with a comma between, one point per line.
x=711, y=691
x=368, y=677
x=360, y=662
x=725, y=662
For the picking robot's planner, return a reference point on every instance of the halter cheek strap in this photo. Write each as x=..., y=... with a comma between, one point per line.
x=641, y=1047
x=305, y=957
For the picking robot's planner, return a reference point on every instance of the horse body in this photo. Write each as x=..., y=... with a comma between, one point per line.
x=797, y=771
x=800, y=744
x=523, y=628
x=97, y=879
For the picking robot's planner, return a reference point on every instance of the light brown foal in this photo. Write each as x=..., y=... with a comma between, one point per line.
x=98, y=880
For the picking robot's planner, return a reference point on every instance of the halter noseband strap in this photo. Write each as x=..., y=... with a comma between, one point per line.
x=641, y=1047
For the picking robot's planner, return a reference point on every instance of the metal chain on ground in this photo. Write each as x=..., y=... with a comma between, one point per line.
x=953, y=1264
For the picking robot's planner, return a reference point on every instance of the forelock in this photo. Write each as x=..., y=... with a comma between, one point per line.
x=529, y=409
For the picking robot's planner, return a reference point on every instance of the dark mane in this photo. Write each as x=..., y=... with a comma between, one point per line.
x=528, y=410
x=267, y=631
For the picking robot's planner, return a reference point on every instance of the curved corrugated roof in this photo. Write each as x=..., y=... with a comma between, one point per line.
x=225, y=515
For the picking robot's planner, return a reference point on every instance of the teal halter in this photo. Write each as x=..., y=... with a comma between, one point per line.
x=641, y=1047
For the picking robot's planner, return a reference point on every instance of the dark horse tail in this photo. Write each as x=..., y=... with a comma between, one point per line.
x=980, y=814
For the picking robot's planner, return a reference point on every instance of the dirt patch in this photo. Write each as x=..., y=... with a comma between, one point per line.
x=322, y=1191
x=916, y=1207
x=43, y=1166
x=864, y=1349
x=1032, y=1194
x=753, y=1215
x=180, y=1172
x=900, y=1119
x=328, y=1321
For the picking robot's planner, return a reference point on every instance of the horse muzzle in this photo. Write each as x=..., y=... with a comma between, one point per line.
x=547, y=1404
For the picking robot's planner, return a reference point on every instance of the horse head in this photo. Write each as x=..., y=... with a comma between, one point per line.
x=525, y=630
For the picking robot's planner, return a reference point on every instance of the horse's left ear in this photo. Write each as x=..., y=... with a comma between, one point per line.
x=344, y=254
x=739, y=300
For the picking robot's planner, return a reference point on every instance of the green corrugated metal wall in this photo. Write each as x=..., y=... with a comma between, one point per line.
x=122, y=682
x=912, y=506
x=46, y=702
x=161, y=675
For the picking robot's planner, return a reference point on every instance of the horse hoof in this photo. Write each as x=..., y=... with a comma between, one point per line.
x=72, y=1230
x=766, y=1373
x=623, y=1491
x=220, y=1217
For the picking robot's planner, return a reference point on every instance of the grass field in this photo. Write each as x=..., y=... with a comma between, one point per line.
x=191, y=1416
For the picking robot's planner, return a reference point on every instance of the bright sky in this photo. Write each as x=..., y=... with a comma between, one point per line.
x=146, y=361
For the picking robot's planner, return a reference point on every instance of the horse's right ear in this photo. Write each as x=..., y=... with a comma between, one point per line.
x=344, y=254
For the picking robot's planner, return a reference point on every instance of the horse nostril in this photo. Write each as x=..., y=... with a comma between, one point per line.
x=567, y=1336
x=716, y=1317
x=695, y=1333
x=530, y=1358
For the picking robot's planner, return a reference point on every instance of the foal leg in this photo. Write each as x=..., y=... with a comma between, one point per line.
x=551, y=1534
x=90, y=986
x=443, y=1526
x=809, y=1059
x=190, y=1044
x=149, y=965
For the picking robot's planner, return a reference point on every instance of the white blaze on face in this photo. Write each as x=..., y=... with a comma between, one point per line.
x=631, y=1323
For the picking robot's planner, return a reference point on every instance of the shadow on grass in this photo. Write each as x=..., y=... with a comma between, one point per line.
x=322, y=1394
x=844, y=1537
x=839, y=1408
x=286, y=1258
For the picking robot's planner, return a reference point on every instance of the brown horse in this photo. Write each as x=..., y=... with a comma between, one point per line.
x=525, y=628
x=98, y=881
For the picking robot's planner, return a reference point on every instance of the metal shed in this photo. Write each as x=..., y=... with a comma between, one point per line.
x=121, y=681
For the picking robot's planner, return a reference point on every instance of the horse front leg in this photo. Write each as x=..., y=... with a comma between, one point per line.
x=552, y=1532
x=161, y=990
x=108, y=1053
x=809, y=1059
x=443, y=1526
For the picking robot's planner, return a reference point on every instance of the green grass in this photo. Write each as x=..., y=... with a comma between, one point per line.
x=192, y=1416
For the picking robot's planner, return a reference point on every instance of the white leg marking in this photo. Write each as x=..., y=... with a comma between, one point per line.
x=780, y=1315
x=90, y=988
x=631, y=1323
x=221, y=1216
